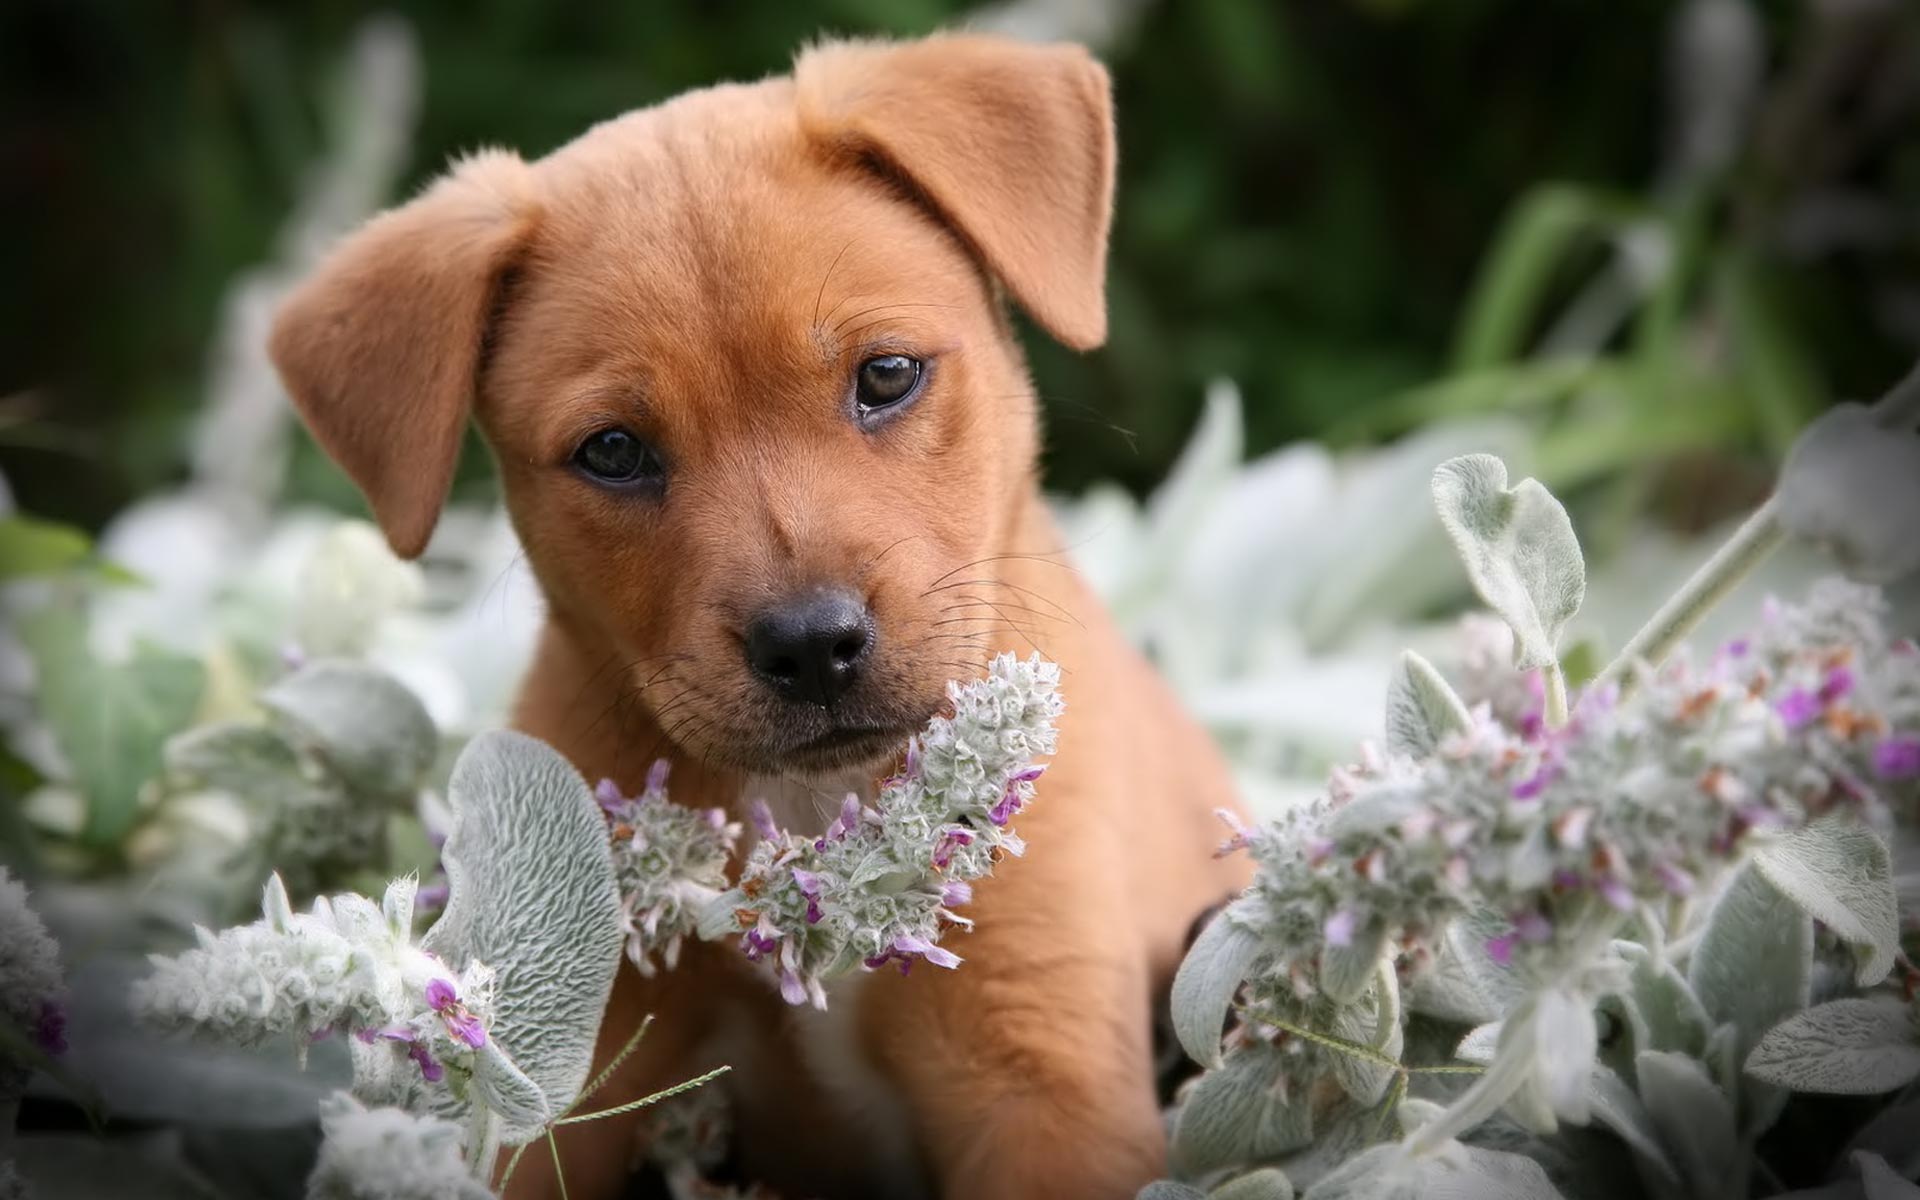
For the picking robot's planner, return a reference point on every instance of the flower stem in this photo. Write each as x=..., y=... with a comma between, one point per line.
x=1758, y=536
x=1556, y=704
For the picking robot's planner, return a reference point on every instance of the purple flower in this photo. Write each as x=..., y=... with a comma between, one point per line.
x=1340, y=926
x=1675, y=880
x=432, y=895
x=1897, y=757
x=906, y=948
x=949, y=841
x=954, y=892
x=809, y=885
x=912, y=768
x=758, y=942
x=465, y=1027
x=657, y=776
x=1798, y=708
x=1531, y=787
x=1738, y=648
x=1839, y=683
x=763, y=819
x=607, y=792
x=842, y=825
x=461, y=1025
x=441, y=994
x=50, y=1028
x=1615, y=893
x=430, y=1069
x=1009, y=804
x=1500, y=949
x=792, y=990
x=1532, y=927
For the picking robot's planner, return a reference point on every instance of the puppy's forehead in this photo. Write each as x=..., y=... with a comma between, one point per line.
x=714, y=210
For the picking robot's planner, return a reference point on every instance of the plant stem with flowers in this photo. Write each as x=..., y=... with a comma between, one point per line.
x=880, y=885
x=1647, y=860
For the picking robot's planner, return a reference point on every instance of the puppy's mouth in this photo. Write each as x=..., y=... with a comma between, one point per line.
x=842, y=747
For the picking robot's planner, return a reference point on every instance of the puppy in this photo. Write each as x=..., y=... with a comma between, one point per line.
x=745, y=364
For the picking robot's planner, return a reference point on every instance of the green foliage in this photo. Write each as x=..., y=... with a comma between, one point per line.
x=111, y=718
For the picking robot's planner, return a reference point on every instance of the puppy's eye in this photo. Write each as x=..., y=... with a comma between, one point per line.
x=885, y=381
x=616, y=456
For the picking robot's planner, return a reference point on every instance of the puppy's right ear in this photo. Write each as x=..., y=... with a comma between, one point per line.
x=381, y=348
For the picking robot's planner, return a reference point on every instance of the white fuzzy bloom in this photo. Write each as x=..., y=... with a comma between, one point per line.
x=347, y=966
x=670, y=860
x=389, y=1154
x=880, y=884
x=1554, y=830
x=31, y=987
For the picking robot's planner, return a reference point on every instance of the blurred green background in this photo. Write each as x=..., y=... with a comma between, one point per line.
x=1665, y=228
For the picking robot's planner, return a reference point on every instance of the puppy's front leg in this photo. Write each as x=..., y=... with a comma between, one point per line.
x=1028, y=1070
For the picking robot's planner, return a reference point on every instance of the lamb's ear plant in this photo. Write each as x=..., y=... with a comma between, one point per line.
x=479, y=1034
x=32, y=1013
x=1666, y=906
x=343, y=748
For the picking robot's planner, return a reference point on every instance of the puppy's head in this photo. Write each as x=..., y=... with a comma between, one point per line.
x=744, y=365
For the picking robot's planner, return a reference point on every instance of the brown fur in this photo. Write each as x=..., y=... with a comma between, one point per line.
x=709, y=273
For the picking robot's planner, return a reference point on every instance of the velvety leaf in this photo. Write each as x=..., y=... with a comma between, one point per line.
x=1168, y=1189
x=1421, y=708
x=533, y=896
x=1851, y=484
x=1215, y=966
x=1345, y=971
x=1670, y=1016
x=1754, y=963
x=1616, y=1106
x=1268, y=1183
x=1454, y=1172
x=1696, y=1123
x=362, y=722
x=111, y=719
x=1840, y=873
x=1372, y=1021
x=1519, y=549
x=249, y=762
x=1858, y=1046
x=1239, y=1112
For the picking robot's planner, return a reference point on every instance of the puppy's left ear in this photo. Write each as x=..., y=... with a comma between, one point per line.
x=1010, y=143
x=381, y=349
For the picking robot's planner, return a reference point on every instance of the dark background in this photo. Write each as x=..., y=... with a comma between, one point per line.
x=1314, y=196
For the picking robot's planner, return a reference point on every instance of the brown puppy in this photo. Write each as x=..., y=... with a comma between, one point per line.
x=769, y=441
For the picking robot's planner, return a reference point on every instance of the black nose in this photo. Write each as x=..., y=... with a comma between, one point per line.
x=810, y=648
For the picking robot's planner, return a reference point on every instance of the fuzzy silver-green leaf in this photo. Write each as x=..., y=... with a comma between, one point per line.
x=1519, y=550
x=533, y=896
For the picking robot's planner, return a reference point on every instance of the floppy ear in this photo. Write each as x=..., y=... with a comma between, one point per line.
x=1010, y=143
x=381, y=348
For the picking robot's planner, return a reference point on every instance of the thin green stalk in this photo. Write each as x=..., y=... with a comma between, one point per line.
x=513, y=1164
x=644, y=1101
x=559, y=1174
x=1749, y=546
x=599, y=1081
